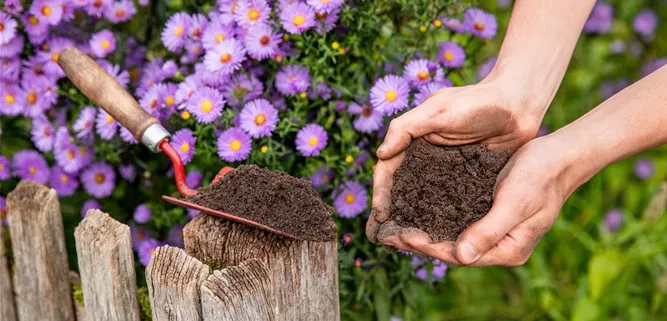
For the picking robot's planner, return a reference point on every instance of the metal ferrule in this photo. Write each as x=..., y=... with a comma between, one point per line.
x=153, y=136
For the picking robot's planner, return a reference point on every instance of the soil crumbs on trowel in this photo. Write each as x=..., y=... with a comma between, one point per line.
x=272, y=198
x=443, y=190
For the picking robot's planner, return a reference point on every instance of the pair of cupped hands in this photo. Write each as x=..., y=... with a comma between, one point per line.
x=529, y=191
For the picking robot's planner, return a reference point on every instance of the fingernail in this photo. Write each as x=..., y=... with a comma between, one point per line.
x=382, y=148
x=468, y=253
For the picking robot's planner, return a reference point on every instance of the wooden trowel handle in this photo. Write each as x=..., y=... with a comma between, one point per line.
x=103, y=90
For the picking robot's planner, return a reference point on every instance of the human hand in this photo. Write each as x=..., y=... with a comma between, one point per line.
x=489, y=112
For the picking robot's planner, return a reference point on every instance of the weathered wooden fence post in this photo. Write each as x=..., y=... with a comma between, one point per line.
x=106, y=264
x=304, y=274
x=7, y=309
x=41, y=273
x=239, y=293
x=174, y=280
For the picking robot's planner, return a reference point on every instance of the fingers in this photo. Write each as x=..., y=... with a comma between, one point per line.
x=383, y=179
x=422, y=242
x=415, y=123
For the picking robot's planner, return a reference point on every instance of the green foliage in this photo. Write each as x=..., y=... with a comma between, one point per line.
x=145, y=312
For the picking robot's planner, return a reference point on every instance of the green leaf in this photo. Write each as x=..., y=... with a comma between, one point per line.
x=585, y=310
x=603, y=269
x=381, y=295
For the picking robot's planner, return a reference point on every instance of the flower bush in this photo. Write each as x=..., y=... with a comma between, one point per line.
x=308, y=87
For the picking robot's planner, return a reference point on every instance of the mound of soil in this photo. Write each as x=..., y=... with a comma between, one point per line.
x=443, y=190
x=272, y=198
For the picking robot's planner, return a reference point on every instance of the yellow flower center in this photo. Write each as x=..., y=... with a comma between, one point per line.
x=264, y=40
x=134, y=74
x=335, y=45
x=391, y=95
x=64, y=178
x=179, y=31
x=120, y=13
x=106, y=44
x=437, y=23
x=71, y=154
x=260, y=119
x=235, y=145
x=196, y=32
x=225, y=58
x=98, y=3
x=313, y=141
x=321, y=15
x=2, y=26
x=46, y=10
x=349, y=198
x=479, y=26
x=299, y=20
x=141, y=235
x=253, y=14
x=185, y=147
x=219, y=38
x=32, y=97
x=366, y=112
x=169, y=100
x=82, y=151
x=325, y=1
x=99, y=178
x=449, y=56
x=303, y=95
x=349, y=159
x=109, y=119
x=279, y=58
x=423, y=75
x=9, y=98
x=264, y=149
x=33, y=20
x=422, y=28
x=185, y=115
x=342, y=51
x=32, y=170
x=2, y=167
x=206, y=106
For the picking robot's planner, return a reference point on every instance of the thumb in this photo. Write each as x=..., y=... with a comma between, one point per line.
x=413, y=124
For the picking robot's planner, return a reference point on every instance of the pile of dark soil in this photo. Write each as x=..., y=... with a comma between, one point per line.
x=272, y=198
x=443, y=190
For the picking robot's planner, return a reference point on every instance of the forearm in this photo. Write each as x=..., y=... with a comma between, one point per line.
x=631, y=121
x=537, y=48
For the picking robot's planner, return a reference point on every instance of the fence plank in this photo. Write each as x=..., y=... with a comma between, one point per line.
x=304, y=274
x=7, y=309
x=79, y=309
x=106, y=264
x=41, y=274
x=239, y=293
x=174, y=280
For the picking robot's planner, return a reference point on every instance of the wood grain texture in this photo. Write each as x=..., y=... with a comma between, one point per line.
x=304, y=274
x=103, y=90
x=106, y=264
x=79, y=309
x=174, y=280
x=41, y=274
x=239, y=293
x=7, y=308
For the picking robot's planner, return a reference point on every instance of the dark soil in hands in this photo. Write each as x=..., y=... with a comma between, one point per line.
x=443, y=190
x=272, y=198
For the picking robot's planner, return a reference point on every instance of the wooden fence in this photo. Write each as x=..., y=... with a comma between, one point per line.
x=251, y=274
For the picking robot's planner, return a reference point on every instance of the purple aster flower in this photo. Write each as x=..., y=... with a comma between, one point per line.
x=451, y=55
x=120, y=11
x=50, y=11
x=3, y=211
x=183, y=142
x=321, y=91
x=127, y=172
x=13, y=7
x=600, y=18
x=197, y=25
x=42, y=134
x=102, y=43
x=437, y=273
x=613, y=220
x=150, y=101
x=193, y=49
x=351, y=199
x=90, y=205
x=215, y=33
x=11, y=68
x=4, y=168
x=50, y=57
x=175, y=31
x=37, y=29
x=262, y=42
x=99, y=179
x=175, y=237
x=368, y=119
x=390, y=94
x=504, y=4
x=258, y=118
x=242, y=89
x=12, y=48
x=122, y=77
x=11, y=99
x=105, y=125
x=326, y=21
x=645, y=23
x=97, y=7
x=7, y=28
x=617, y=46
x=347, y=238
x=418, y=73
x=138, y=235
x=480, y=23
x=146, y=249
x=425, y=92
x=186, y=89
x=543, y=130
x=206, y=104
x=250, y=13
x=311, y=140
x=65, y=184
x=29, y=164
x=33, y=101
x=80, y=3
x=324, y=5
x=83, y=125
x=322, y=177
x=485, y=68
x=292, y=80
x=127, y=136
x=225, y=57
x=644, y=168
x=454, y=24
x=142, y=214
x=653, y=65
x=193, y=179
x=297, y=18
x=358, y=262
x=234, y=145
